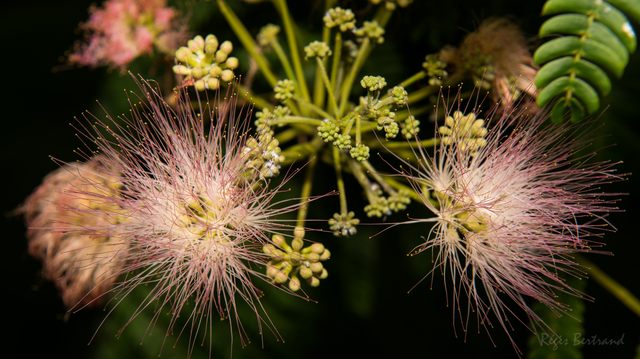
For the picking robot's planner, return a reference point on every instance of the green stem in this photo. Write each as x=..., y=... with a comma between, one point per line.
x=337, y=53
x=286, y=135
x=358, y=132
x=318, y=93
x=404, y=144
x=281, y=6
x=327, y=84
x=306, y=193
x=355, y=68
x=361, y=177
x=308, y=105
x=618, y=291
x=341, y=192
x=298, y=120
x=247, y=41
x=382, y=16
x=285, y=62
x=373, y=173
x=419, y=76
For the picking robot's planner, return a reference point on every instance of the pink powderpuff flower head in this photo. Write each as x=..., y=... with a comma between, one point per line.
x=80, y=263
x=197, y=213
x=123, y=30
x=510, y=212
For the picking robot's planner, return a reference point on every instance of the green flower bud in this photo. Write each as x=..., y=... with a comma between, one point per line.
x=400, y=95
x=232, y=63
x=324, y=274
x=360, y=152
x=226, y=46
x=328, y=130
x=268, y=34
x=221, y=56
x=344, y=18
x=284, y=90
x=306, y=273
x=373, y=83
x=317, y=49
x=372, y=30
x=294, y=284
x=316, y=267
x=226, y=75
x=313, y=281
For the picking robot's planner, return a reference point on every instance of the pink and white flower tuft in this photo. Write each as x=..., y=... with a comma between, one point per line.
x=196, y=213
x=510, y=212
x=126, y=29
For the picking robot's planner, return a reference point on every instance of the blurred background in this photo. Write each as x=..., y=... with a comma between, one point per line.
x=363, y=308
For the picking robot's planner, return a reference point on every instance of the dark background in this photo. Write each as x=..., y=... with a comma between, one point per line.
x=363, y=307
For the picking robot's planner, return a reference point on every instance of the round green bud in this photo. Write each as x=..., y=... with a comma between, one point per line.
x=324, y=274
x=298, y=232
x=325, y=255
x=227, y=47
x=226, y=75
x=232, y=63
x=297, y=244
x=313, y=281
x=317, y=248
x=221, y=56
x=316, y=267
x=294, y=284
x=280, y=277
x=278, y=240
x=213, y=83
x=306, y=273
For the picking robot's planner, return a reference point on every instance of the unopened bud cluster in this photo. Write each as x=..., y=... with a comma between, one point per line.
x=435, y=69
x=264, y=154
x=291, y=263
x=204, y=64
x=344, y=225
x=343, y=18
x=466, y=130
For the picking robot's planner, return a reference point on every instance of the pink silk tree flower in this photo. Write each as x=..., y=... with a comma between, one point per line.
x=123, y=30
x=197, y=210
x=512, y=204
x=81, y=264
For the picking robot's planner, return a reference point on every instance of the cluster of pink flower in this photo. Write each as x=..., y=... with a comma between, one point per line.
x=126, y=29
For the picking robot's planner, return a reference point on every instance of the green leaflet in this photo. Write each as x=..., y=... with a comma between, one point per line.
x=594, y=30
x=582, y=68
x=589, y=49
x=565, y=84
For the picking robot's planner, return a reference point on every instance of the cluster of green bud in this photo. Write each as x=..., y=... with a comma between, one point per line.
x=373, y=83
x=264, y=155
x=410, y=127
x=284, y=90
x=266, y=115
x=344, y=225
x=204, y=64
x=360, y=152
x=328, y=130
x=386, y=120
x=400, y=95
x=467, y=131
x=435, y=69
x=268, y=34
x=378, y=208
x=317, y=49
x=289, y=263
x=399, y=201
x=349, y=50
x=372, y=30
x=391, y=4
x=337, y=16
x=482, y=71
x=343, y=142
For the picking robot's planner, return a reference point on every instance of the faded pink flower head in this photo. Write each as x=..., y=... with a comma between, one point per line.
x=79, y=262
x=123, y=30
x=197, y=211
x=510, y=214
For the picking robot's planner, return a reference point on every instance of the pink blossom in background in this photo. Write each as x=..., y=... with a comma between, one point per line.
x=123, y=30
x=509, y=218
x=82, y=264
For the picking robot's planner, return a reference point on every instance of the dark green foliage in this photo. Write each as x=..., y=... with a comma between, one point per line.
x=596, y=37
